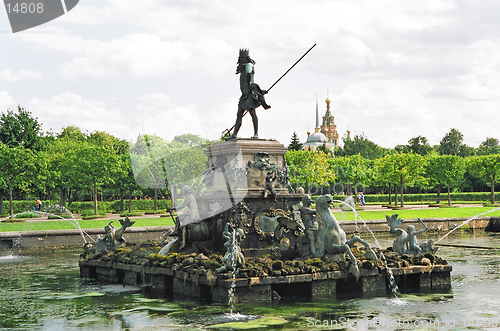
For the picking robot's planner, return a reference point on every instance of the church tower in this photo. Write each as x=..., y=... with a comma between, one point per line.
x=328, y=128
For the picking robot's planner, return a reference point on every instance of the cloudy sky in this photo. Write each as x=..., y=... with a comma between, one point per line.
x=393, y=69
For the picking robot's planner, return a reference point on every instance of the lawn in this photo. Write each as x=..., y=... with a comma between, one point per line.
x=422, y=213
x=162, y=221
x=85, y=224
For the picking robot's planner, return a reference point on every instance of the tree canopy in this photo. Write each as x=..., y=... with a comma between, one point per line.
x=295, y=144
x=360, y=145
x=19, y=128
x=489, y=146
x=452, y=144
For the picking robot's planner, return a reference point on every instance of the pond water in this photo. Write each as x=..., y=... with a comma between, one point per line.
x=42, y=291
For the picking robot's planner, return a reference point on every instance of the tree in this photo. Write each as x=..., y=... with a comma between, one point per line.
x=19, y=128
x=489, y=146
x=408, y=168
x=295, y=144
x=353, y=171
x=308, y=168
x=487, y=167
x=63, y=172
x=73, y=133
x=324, y=149
x=452, y=144
x=385, y=175
x=419, y=145
x=156, y=162
x=445, y=169
x=189, y=140
x=95, y=166
x=362, y=146
x=18, y=168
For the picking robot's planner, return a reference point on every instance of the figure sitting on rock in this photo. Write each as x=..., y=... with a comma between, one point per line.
x=308, y=216
x=189, y=215
x=412, y=243
x=113, y=238
x=407, y=242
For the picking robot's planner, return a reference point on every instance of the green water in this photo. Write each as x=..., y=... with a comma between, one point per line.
x=43, y=291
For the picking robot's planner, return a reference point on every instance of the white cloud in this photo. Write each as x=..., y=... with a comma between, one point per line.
x=159, y=116
x=71, y=109
x=7, y=102
x=395, y=69
x=10, y=76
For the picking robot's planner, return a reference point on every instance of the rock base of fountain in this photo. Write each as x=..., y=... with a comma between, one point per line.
x=263, y=279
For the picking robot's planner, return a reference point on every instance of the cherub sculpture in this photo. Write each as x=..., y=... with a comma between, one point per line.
x=233, y=258
x=406, y=242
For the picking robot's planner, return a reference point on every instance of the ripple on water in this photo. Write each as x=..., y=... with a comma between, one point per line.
x=7, y=259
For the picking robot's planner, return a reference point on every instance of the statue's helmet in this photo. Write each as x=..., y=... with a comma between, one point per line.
x=244, y=56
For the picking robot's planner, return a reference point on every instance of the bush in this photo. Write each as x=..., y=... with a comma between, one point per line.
x=152, y=212
x=92, y=217
x=28, y=214
x=431, y=197
x=489, y=204
x=131, y=214
x=90, y=212
x=21, y=205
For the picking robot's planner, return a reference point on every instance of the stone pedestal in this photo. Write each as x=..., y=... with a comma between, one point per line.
x=256, y=157
x=236, y=191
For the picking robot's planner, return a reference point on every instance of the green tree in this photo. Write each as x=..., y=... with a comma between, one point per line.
x=324, y=149
x=445, y=169
x=408, y=168
x=360, y=145
x=385, y=175
x=189, y=140
x=18, y=168
x=452, y=144
x=3, y=187
x=488, y=168
x=308, y=168
x=156, y=162
x=96, y=166
x=73, y=133
x=62, y=171
x=419, y=145
x=295, y=144
x=352, y=170
x=489, y=146
x=19, y=128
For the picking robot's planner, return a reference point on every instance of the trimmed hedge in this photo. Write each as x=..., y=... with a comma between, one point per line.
x=81, y=206
x=21, y=205
x=431, y=197
x=112, y=206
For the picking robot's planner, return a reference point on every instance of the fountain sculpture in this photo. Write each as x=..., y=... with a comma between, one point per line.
x=245, y=232
x=407, y=242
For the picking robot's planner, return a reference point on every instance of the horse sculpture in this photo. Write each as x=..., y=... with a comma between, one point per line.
x=332, y=239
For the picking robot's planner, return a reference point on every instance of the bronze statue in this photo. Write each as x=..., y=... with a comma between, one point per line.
x=112, y=240
x=233, y=258
x=308, y=216
x=189, y=216
x=269, y=186
x=407, y=242
x=252, y=96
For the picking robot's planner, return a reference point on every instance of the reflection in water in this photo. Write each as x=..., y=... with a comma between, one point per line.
x=44, y=292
